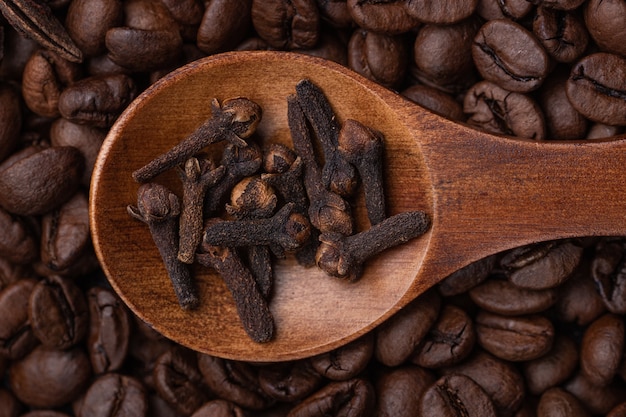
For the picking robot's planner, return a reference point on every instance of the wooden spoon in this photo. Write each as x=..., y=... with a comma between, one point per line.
x=484, y=194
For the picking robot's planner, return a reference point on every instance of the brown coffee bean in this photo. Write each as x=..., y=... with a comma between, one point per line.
x=466, y=278
x=578, y=299
x=345, y=362
x=336, y=12
x=381, y=58
x=496, y=110
x=286, y=24
x=596, y=88
x=398, y=337
x=115, y=395
x=57, y=311
x=178, y=380
x=609, y=274
x=436, y=101
x=502, y=297
x=88, y=21
x=499, y=379
x=388, y=17
x=48, y=378
x=219, y=408
x=442, y=55
x=598, y=400
x=9, y=405
x=600, y=131
x=559, y=403
x=562, y=4
x=602, y=349
x=237, y=382
x=562, y=119
x=18, y=241
x=16, y=336
x=329, y=47
x=45, y=76
x=109, y=330
x=514, y=339
x=604, y=21
x=400, y=389
x=290, y=381
x=554, y=367
x=143, y=50
x=543, y=265
x=441, y=12
x=224, y=25
x=10, y=119
x=562, y=33
x=97, y=100
x=40, y=181
x=352, y=398
x=507, y=54
x=449, y=341
x=503, y=9
x=456, y=395
x=187, y=14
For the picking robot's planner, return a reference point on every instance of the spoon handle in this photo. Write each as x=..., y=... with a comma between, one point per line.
x=492, y=193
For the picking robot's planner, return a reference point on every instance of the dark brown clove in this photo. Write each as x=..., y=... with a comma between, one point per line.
x=283, y=171
x=337, y=174
x=328, y=212
x=363, y=147
x=196, y=176
x=235, y=120
x=159, y=208
x=255, y=315
x=343, y=256
x=285, y=231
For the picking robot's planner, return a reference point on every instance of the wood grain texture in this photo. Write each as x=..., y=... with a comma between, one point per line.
x=484, y=194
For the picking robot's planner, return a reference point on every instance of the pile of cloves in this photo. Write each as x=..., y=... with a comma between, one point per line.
x=256, y=205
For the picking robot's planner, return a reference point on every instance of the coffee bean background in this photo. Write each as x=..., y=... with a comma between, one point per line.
x=535, y=331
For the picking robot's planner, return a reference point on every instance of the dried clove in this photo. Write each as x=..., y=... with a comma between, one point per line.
x=362, y=146
x=288, y=183
x=196, y=176
x=285, y=231
x=235, y=120
x=337, y=174
x=328, y=212
x=159, y=208
x=252, y=307
x=343, y=256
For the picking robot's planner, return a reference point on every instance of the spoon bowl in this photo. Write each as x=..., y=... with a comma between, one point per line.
x=483, y=193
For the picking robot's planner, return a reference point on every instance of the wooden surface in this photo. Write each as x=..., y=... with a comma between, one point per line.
x=484, y=193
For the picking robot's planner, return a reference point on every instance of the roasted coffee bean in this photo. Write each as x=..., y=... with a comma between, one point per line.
x=514, y=339
x=289, y=382
x=495, y=110
x=541, y=266
x=466, y=278
x=388, y=17
x=598, y=400
x=578, y=299
x=50, y=378
x=40, y=181
x=89, y=20
x=345, y=362
x=188, y=16
x=400, y=389
x=456, y=396
x=379, y=57
x=441, y=12
x=143, y=50
x=502, y=297
x=224, y=25
x=554, y=367
x=562, y=119
x=442, y=55
x=503, y=9
x=10, y=119
x=237, y=382
x=608, y=270
x=562, y=33
x=9, y=405
x=336, y=12
x=559, y=403
x=510, y=56
x=219, y=408
x=393, y=347
x=449, y=341
x=501, y=380
x=596, y=88
x=352, y=398
x=18, y=241
x=115, y=395
x=45, y=76
x=435, y=100
x=602, y=349
x=109, y=330
x=97, y=100
x=600, y=130
x=604, y=21
x=286, y=24
x=329, y=47
x=561, y=4
x=16, y=335
x=178, y=380
x=57, y=311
